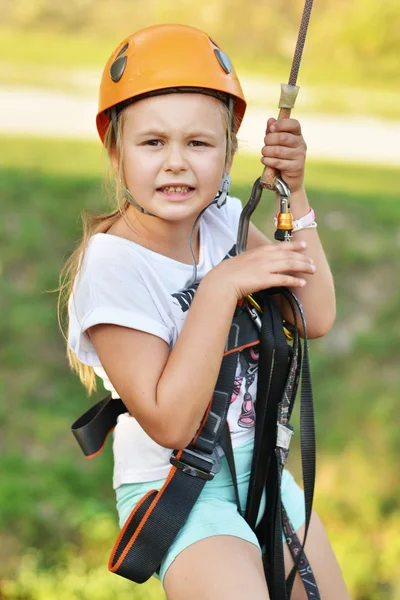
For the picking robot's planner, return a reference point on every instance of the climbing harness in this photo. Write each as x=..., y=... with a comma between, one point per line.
x=283, y=363
x=156, y=520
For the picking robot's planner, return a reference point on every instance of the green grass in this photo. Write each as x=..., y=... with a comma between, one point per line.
x=54, y=505
x=67, y=158
x=54, y=49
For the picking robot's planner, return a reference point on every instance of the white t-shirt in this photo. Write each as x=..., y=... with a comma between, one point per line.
x=121, y=282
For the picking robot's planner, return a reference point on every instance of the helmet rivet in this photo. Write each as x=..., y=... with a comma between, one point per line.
x=223, y=60
x=117, y=68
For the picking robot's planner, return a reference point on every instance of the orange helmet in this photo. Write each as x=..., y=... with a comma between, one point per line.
x=162, y=57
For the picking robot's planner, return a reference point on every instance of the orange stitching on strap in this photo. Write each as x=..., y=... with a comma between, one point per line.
x=145, y=517
x=242, y=347
x=127, y=522
x=102, y=447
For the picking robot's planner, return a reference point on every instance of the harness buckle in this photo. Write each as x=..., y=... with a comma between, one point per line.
x=189, y=461
x=283, y=436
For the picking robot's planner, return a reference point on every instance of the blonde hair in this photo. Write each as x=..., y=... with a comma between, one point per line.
x=101, y=223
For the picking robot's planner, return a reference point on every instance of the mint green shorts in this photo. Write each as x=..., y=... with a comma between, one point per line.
x=215, y=512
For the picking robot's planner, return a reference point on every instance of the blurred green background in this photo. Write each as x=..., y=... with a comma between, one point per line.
x=57, y=511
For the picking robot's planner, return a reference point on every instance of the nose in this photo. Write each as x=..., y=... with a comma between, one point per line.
x=175, y=159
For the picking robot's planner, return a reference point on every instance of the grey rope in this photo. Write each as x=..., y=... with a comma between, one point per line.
x=194, y=273
x=300, y=42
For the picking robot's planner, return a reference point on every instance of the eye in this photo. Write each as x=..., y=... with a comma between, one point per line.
x=152, y=143
x=197, y=143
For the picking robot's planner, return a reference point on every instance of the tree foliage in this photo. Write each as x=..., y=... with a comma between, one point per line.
x=355, y=34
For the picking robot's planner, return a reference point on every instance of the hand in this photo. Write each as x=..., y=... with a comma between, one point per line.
x=268, y=266
x=285, y=149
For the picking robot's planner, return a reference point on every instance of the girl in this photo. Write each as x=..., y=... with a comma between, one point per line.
x=154, y=328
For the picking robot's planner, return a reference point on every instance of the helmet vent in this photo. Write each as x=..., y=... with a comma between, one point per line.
x=212, y=41
x=117, y=68
x=123, y=49
x=223, y=60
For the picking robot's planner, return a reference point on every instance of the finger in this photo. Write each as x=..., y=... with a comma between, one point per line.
x=282, y=152
x=283, y=139
x=291, y=266
x=289, y=125
x=280, y=251
x=288, y=257
x=270, y=122
x=293, y=245
x=293, y=168
x=289, y=262
x=281, y=280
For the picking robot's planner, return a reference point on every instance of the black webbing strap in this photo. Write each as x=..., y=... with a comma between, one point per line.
x=308, y=456
x=272, y=373
x=278, y=380
x=155, y=522
x=93, y=427
x=271, y=392
x=274, y=559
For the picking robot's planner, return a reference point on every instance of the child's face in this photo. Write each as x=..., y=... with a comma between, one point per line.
x=174, y=141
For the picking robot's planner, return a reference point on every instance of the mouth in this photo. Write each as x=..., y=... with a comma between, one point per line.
x=176, y=191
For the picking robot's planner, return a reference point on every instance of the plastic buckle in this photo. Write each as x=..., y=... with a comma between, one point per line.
x=213, y=461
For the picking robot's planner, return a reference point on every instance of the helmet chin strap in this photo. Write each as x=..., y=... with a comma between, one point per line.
x=219, y=200
x=224, y=189
x=132, y=201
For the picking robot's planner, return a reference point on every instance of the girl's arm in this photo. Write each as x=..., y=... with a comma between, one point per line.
x=168, y=391
x=318, y=296
x=285, y=149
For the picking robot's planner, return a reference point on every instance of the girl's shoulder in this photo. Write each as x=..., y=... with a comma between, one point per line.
x=109, y=245
x=108, y=262
x=228, y=215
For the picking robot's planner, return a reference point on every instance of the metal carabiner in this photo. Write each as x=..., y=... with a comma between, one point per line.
x=284, y=228
x=244, y=221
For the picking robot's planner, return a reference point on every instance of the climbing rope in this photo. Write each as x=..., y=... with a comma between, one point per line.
x=270, y=179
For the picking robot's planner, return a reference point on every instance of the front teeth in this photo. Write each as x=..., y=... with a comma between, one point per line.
x=179, y=190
